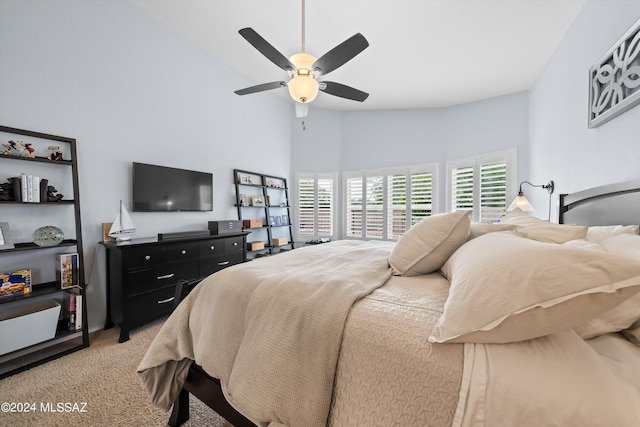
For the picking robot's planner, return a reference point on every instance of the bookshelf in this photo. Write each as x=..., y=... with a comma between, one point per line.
x=47, y=305
x=264, y=198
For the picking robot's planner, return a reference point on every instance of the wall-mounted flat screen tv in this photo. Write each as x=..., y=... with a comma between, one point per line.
x=165, y=189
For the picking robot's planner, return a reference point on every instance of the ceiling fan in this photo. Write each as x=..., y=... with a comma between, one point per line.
x=304, y=69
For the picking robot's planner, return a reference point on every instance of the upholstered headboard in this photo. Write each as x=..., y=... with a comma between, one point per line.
x=611, y=204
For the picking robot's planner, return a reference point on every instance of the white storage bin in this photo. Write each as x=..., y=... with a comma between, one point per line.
x=27, y=325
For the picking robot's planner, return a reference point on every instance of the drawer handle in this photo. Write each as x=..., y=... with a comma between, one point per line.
x=148, y=257
x=166, y=276
x=164, y=301
x=224, y=262
x=184, y=252
x=212, y=247
x=235, y=243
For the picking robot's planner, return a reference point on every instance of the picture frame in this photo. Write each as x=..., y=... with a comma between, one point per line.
x=272, y=220
x=106, y=227
x=278, y=220
x=5, y=236
x=244, y=201
x=285, y=219
x=245, y=179
x=257, y=201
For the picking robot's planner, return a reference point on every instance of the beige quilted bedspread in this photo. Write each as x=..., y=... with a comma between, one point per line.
x=388, y=373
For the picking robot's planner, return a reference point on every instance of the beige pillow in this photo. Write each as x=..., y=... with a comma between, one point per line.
x=597, y=233
x=585, y=244
x=623, y=244
x=480, y=228
x=542, y=230
x=633, y=333
x=615, y=320
x=505, y=288
x=427, y=245
x=624, y=315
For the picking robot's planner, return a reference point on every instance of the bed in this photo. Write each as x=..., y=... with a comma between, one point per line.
x=523, y=322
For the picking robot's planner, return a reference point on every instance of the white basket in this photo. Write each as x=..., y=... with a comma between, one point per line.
x=28, y=324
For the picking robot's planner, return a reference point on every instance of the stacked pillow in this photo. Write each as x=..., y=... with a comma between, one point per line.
x=426, y=246
x=541, y=230
x=623, y=241
x=507, y=288
x=534, y=279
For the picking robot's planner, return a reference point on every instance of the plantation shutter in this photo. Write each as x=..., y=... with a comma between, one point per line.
x=481, y=185
x=375, y=207
x=306, y=207
x=325, y=207
x=396, y=205
x=421, y=196
x=493, y=191
x=316, y=210
x=354, y=207
x=383, y=204
x=462, y=189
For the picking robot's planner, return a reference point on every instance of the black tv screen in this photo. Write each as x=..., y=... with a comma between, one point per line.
x=165, y=189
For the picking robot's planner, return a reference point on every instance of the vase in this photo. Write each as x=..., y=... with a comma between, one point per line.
x=48, y=236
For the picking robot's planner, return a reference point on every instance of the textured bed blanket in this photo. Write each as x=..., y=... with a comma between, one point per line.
x=270, y=330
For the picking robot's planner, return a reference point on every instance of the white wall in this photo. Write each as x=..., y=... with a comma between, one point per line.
x=388, y=138
x=562, y=147
x=130, y=89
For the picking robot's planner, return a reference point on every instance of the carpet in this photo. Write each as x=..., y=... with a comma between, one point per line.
x=96, y=386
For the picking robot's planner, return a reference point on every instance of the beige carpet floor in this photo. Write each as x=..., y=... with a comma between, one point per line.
x=102, y=376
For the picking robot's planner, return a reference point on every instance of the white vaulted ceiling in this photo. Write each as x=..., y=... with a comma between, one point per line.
x=429, y=53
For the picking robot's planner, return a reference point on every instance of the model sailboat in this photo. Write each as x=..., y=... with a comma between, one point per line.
x=122, y=228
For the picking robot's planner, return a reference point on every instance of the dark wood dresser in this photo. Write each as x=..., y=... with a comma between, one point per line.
x=142, y=273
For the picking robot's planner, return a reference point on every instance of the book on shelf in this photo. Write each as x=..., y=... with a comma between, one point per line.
x=75, y=312
x=67, y=270
x=29, y=188
x=17, y=282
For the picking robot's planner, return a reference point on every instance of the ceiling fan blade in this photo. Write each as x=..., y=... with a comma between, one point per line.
x=266, y=49
x=343, y=91
x=340, y=54
x=260, y=88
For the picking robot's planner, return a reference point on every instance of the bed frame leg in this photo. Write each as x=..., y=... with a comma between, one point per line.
x=180, y=411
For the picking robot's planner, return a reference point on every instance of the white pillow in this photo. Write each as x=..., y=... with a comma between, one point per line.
x=542, y=230
x=427, y=245
x=628, y=312
x=623, y=244
x=505, y=288
x=597, y=233
x=585, y=244
x=633, y=333
x=615, y=320
x=479, y=228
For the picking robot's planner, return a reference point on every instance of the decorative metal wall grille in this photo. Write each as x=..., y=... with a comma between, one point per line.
x=615, y=79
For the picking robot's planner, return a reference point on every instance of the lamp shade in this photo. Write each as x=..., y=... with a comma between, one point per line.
x=522, y=203
x=303, y=88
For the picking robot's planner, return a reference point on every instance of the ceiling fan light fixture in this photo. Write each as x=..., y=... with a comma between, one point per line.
x=303, y=88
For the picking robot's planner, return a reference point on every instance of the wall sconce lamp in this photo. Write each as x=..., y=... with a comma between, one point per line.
x=522, y=202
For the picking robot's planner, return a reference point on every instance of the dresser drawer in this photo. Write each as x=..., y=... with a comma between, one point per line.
x=159, y=276
x=212, y=247
x=177, y=251
x=150, y=305
x=234, y=244
x=211, y=265
x=143, y=256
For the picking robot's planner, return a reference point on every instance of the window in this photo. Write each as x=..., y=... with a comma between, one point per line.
x=315, y=195
x=383, y=204
x=482, y=184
